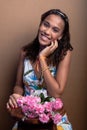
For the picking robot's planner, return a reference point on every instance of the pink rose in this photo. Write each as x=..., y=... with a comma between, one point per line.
x=57, y=104
x=56, y=118
x=48, y=106
x=44, y=118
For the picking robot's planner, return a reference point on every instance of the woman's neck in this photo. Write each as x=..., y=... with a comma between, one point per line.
x=41, y=47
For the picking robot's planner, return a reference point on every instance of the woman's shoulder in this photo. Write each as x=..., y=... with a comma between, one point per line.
x=22, y=53
x=66, y=60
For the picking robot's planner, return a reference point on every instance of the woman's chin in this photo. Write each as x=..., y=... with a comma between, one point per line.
x=44, y=44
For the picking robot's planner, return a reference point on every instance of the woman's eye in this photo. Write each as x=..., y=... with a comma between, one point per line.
x=55, y=30
x=46, y=24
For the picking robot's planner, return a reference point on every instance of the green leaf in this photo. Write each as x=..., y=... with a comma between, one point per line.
x=28, y=72
x=43, y=99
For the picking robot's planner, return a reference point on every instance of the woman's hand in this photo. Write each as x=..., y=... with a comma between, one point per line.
x=49, y=49
x=12, y=102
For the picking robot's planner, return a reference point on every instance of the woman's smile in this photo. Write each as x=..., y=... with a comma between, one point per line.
x=44, y=37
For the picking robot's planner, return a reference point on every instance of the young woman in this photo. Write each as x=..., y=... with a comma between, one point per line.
x=44, y=64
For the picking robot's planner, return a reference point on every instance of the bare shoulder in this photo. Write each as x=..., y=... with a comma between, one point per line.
x=22, y=53
x=68, y=55
x=67, y=59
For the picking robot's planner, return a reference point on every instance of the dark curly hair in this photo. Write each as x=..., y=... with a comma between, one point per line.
x=32, y=49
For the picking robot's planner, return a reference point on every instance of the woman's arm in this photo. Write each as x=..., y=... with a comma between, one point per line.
x=55, y=86
x=18, y=88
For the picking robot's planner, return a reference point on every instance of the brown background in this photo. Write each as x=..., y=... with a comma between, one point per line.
x=19, y=20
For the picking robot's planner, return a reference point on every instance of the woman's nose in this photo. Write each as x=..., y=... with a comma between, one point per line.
x=48, y=31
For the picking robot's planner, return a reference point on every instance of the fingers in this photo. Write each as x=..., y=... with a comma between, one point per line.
x=8, y=107
x=53, y=46
x=56, y=43
x=12, y=102
x=49, y=49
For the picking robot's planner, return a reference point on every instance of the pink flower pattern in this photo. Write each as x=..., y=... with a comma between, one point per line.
x=32, y=107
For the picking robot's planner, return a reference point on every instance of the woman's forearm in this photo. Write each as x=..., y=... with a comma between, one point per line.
x=18, y=90
x=51, y=83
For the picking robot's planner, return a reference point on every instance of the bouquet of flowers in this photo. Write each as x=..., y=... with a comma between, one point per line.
x=43, y=107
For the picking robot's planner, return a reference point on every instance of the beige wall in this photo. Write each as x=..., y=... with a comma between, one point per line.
x=19, y=20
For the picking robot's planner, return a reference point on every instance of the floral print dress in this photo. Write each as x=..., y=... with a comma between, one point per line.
x=32, y=85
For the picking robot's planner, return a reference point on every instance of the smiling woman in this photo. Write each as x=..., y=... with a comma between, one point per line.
x=49, y=31
x=44, y=66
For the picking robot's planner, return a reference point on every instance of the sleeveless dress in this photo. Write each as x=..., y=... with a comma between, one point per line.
x=33, y=85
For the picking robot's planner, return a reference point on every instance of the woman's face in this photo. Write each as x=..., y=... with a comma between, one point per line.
x=51, y=29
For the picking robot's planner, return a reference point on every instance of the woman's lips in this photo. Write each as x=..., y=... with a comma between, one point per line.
x=44, y=37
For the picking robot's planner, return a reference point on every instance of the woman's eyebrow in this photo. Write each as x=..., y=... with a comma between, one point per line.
x=55, y=27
